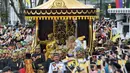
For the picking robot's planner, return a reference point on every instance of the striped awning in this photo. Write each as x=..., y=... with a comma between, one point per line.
x=119, y=10
x=50, y=14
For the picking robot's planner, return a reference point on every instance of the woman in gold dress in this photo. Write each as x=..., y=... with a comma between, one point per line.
x=28, y=64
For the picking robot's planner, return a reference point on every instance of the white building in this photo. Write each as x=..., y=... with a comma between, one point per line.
x=122, y=13
x=12, y=15
x=3, y=10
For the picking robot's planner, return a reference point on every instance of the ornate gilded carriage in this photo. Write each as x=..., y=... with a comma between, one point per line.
x=49, y=15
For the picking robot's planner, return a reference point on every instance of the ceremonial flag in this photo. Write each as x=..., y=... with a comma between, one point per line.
x=119, y=3
x=109, y=6
x=128, y=4
x=94, y=35
x=28, y=2
x=110, y=34
x=34, y=43
x=114, y=38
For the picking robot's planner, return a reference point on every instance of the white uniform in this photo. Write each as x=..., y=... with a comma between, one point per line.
x=60, y=67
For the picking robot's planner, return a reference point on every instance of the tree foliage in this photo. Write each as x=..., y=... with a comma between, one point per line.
x=20, y=12
x=4, y=11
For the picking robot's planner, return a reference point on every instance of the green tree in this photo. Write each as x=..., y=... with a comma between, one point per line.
x=20, y=13
x=4, y=11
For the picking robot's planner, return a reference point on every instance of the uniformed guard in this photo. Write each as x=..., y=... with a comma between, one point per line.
x=6, y=70
x=81, y=60
x=20, y=59
x=7, y=57
x=49, y=60
x=13, y=63
x=1, y=60
x=38, y=59
x=57, y=66
x=64, y=53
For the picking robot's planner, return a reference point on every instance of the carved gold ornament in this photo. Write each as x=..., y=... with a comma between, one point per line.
x=58, y=4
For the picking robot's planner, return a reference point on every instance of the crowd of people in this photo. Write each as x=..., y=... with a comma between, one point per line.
x=108, y=56
x=14, y=40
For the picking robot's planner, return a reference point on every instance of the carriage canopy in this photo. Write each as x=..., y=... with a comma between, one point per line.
x=61, y=9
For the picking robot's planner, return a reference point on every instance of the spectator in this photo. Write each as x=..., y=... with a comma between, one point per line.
x=7, y=70
x=57, y=65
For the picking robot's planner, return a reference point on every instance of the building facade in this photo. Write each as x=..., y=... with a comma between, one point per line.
x=12, y=15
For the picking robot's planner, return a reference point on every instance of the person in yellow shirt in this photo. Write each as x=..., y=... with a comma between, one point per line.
x=81, y=60
x=50, y=44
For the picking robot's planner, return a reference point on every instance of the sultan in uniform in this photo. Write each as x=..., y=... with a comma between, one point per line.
x=57, y=66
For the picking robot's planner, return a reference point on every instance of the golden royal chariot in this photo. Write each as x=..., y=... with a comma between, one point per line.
x=49, y=15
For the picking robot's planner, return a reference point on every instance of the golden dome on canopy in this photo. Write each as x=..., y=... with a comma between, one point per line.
x=67, y=4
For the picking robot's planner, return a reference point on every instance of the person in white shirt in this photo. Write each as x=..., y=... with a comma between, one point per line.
x=114, y=30
x=80, y=42
x=127, y=35
x=57, y=65
x=29, y=38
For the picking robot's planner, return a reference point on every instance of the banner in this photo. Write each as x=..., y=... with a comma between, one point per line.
x=119, y=3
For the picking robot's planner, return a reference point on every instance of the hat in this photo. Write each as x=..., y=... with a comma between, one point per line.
x=28, y=55
x=50, y=35
x=117, y=65
x=27, y=51
x=18, y=38
x=23, y=43
x=71, y=38
x=23, y=50
x=7, y=51
x=64, y=50
x=101, y=48
x=20, y=52
x=4, y=51
x=0, y=46
x=52, y=52
x=81, y=38
x=0, y=51
x=4, y=47
x=77, y=49
x=38, y=46
x=6, y=69
x=56, y=54
x=59, y=51
x=14, y=54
